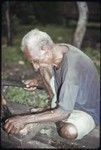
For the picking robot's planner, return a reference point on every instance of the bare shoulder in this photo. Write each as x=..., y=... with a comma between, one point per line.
x=65, y=47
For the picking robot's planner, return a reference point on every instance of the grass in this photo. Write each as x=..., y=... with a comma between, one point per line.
x=12, y=55
x=37, y=98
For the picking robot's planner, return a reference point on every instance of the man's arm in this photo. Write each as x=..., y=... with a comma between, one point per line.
x=46, y=74
x=41, y=81
x=55, y=115
x=15, y=124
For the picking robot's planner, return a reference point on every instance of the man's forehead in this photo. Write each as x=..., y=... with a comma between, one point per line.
x=32, y=54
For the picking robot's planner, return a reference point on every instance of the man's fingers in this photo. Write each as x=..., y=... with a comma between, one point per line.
x=7, y=124
x=9, y=127
x=30, y=83
x=30, y=89
x=14, y=130
x=33, y=83
x=27, y=83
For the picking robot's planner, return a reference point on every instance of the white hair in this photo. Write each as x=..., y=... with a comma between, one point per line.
x=34, y=40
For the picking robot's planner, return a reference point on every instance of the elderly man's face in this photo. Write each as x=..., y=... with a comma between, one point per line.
x=45, y=59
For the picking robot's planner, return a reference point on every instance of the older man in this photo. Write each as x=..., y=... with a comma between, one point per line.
x=76, y=110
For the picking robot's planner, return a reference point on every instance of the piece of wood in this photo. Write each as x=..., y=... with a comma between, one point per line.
x=81, y=25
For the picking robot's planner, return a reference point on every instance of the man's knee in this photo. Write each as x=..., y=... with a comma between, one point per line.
x=68, y=131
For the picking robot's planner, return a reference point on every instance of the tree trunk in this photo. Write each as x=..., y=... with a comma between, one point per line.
x=8, y=24
x=81, y=25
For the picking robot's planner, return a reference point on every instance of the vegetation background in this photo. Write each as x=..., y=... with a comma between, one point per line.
x=59, y=19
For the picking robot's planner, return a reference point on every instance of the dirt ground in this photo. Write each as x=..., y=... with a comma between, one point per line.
x=50, y=138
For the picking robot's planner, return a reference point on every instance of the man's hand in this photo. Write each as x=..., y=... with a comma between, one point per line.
x=30, y=84
x=14, y=124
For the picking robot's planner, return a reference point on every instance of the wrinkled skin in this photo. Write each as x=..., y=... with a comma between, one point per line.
x=31, y=84
x=14, y=124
